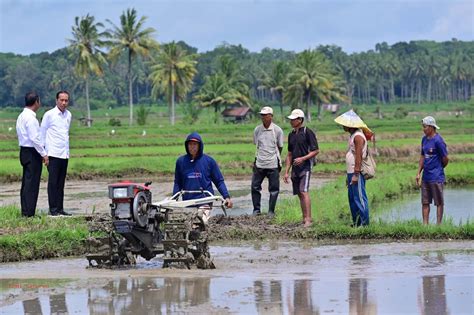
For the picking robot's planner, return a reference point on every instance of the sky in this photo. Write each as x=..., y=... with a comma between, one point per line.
x=34, y=26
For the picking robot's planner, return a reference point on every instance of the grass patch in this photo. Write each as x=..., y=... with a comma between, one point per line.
x=40, y=237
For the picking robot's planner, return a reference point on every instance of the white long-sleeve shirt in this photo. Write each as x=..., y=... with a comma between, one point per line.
x=55, y=132
x=28, y=131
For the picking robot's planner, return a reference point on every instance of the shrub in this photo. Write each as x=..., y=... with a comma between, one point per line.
x=400, y=112
x=191, y=112
x=114, y=122
x=142, y=114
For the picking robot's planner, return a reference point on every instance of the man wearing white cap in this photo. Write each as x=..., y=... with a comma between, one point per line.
x=268, y=138
x=302, y=149
x=433, y=160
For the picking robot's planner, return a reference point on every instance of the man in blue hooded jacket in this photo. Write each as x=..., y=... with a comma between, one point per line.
x=197, y=171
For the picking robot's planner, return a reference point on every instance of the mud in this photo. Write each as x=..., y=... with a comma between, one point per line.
x=257, y=277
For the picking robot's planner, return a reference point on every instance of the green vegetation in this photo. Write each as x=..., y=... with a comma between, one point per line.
x=129, y=151
x=39, y=237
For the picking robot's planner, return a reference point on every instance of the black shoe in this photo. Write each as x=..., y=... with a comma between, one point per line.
x=59, y=213
x=64, y=213
x=256, y=212
x=271, y=214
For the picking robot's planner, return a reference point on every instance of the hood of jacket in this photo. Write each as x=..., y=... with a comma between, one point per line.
x=197, y=137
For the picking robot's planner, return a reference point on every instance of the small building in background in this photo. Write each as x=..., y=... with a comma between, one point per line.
x=333, y=108
x=237, y=114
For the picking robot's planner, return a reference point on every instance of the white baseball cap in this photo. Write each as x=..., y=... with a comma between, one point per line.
x=296, y=113
x=266, y=110
x=429, y=121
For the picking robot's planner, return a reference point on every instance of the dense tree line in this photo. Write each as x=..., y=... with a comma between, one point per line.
x=123, y=64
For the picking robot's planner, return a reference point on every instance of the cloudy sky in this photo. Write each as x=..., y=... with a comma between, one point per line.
x=33, y=26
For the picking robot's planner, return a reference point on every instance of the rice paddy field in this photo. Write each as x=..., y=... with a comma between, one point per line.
x=119, y=151
x=113, y=152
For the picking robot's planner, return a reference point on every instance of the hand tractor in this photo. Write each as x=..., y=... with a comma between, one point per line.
x=174, y=228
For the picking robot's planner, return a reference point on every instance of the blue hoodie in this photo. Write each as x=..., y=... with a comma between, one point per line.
x=198, y=174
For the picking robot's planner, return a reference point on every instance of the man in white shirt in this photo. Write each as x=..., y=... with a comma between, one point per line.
x=268, y=138
x=32, y=153
x=55, y=134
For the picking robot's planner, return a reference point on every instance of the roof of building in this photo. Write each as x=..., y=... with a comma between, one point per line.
x=236, y=111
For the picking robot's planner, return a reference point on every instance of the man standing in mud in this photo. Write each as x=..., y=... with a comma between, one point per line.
x=197, y=171
x=268, y=138
x=302, y=150
x=55, y=134
x=32, y=152
x=433, y=160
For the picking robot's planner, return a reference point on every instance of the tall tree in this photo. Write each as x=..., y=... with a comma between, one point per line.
x=217, y=91
x=276, y=81
x=85, y=48
x=310, y=80
x=173, y=74
x=132, y=38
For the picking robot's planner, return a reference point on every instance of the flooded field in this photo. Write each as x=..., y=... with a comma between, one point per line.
x=459, y=207
x=265, y=278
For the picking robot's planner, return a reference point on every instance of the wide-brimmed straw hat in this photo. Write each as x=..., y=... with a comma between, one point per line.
x=351, y=120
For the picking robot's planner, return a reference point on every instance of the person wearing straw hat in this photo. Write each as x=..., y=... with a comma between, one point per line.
x=268, y=137
x=357, y=149
x=302, y=150
x=433, y=160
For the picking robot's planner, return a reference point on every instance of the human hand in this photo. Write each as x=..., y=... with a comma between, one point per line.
x=285, y=178
x=355, y=179
x=298, y=161
x=228, y=203
x=45, y=160
x=418, y=179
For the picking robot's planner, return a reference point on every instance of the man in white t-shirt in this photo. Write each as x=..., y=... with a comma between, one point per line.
x=268, y=138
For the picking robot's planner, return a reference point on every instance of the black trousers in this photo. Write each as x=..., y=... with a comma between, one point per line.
x=57, y=169
x=31, y=161
x=259, y=174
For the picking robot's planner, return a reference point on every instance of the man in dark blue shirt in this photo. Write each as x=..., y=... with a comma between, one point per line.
x=197, y=171
x=433, y=160
x=302, y=149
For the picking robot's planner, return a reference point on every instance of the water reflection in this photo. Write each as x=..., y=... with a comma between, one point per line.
x=160, y=295
x=57, y=303
x=32, y=306
x=269, y=298
x=432, y=294
x=360, y=301
x=303, y=299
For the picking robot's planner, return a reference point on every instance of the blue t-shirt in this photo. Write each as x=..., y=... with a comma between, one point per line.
x=433, y=150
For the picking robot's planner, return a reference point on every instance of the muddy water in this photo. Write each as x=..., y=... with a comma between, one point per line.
x=91, y=196
x=265, y=278
x=458, y=207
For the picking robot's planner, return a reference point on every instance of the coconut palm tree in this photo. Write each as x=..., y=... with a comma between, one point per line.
x=217, y=91
x=310, y=80
x=132, y=38
x=173, y=74
x=276, y=81
x=85, y=48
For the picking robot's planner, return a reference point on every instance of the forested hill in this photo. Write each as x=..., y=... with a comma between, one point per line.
x=417, y=72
